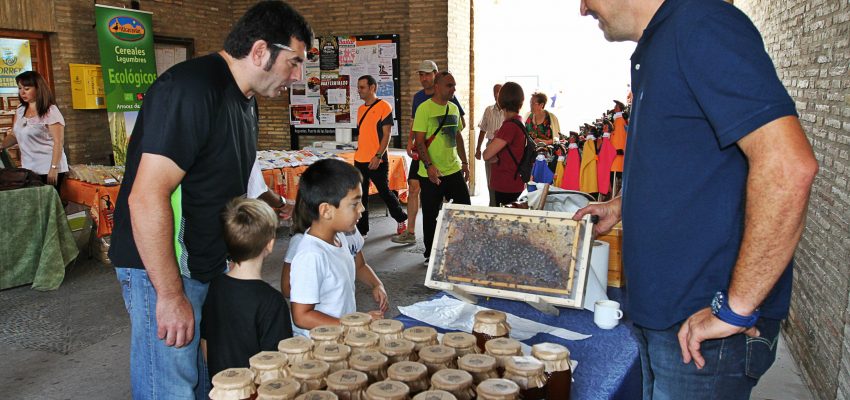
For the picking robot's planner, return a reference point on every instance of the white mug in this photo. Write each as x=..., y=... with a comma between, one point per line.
x=607, y=314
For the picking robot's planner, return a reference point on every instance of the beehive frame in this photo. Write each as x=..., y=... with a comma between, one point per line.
x=558, y=249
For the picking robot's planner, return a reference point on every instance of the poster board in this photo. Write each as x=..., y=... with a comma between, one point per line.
x=539, y=257
x=326, y=98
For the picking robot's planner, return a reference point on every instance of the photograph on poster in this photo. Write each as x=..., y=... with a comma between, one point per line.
x=301, y=114
x=298, y=89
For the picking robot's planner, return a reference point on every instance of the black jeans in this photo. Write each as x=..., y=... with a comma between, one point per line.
x=379, y=178
x=451, y=187
x=503, y=198
x=60, y=178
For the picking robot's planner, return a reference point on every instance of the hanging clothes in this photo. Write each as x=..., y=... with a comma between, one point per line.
x=588, y=182
x=618, y=140
x=606, y=159
x=540, y=173
x=572, y=168
x=559, y=171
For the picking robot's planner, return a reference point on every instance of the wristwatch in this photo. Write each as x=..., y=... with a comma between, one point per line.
x=720, y=308
x=53, y=166
x=427, y=164
x=282, y=202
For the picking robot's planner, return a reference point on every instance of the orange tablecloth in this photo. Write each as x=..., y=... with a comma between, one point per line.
x=84, y=193
x=285, y=180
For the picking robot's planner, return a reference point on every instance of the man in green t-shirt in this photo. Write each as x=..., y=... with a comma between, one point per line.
x=444, y=167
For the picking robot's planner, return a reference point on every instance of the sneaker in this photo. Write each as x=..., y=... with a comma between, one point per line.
x=402, y=227
x=404, y=238
x=426, y=260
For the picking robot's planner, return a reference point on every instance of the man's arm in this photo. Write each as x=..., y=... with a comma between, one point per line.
x=153, y=229
x=782, y=167
x=433, y=172
x=461, y=152
x=382, y=147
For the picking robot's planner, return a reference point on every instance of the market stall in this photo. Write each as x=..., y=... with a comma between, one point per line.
x=282, y=169
x=35, y=243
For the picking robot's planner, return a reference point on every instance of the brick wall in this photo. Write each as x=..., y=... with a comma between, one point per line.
x=423, y=35
x=422, y=26
x=808, y=41
x=73, y=40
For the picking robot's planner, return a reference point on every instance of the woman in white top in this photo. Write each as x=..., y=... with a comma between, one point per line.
x=39, y=130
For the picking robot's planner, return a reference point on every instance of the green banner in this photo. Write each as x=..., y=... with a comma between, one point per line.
x=126, y=56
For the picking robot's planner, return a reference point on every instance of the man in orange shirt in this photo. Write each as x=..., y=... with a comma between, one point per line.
x=374, y=123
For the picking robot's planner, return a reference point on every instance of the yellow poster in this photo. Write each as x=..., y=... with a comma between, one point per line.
x=14, y=59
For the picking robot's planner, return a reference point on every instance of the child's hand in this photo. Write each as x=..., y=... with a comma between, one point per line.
x=376, y=314
x=380, y=296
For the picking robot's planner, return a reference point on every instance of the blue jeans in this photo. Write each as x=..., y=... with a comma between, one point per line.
x=158, y=371
x=732, y=368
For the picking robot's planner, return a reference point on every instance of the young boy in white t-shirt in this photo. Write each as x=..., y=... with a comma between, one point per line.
x=323, y=269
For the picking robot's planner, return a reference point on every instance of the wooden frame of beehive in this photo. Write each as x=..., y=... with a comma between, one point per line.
x=539, y=257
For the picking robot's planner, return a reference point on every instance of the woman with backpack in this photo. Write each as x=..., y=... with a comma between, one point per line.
x=508, y=147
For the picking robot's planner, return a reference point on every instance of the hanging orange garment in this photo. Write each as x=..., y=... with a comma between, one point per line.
x=559, y=172
x=618, y=140
x=570, y=180
x=606, y=159
x=587, y=179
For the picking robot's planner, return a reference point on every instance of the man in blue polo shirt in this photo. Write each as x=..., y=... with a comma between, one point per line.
x=715, y=189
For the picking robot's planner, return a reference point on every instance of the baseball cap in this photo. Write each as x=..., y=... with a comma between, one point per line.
x=427, y=66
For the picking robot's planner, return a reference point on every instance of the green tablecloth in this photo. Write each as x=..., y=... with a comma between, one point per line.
x=35, y=241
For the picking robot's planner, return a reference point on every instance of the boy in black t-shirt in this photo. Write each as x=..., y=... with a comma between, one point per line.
x=242, y=314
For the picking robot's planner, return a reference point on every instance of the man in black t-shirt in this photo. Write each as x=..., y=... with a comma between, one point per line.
x=191, y=151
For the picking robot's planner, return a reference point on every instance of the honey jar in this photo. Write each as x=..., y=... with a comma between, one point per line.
x=326, y=334
x=297, y=348
x=421, y=336
x=233, y=383
x=387, y=329
x=437, y=357
x=527, y=373
x=279, y=389
x=412, y=374
x=454, y=381
x=480, y=366
x=361, y=341
x=268, y=365
x=463, y=343
x=556, y=367
x=348, y=384
x=310, y=373
x=354, y=322
x=397, y=350
x=372, y=363
x=336, y=355
x=387, y=390
x=490, y=324
x=498, y=389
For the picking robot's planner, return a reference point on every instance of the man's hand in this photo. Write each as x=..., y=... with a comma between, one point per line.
x=285, y=212
x=52, y=176
x=434, y=174
x=465, y=168
x=478, y=153
x=374, y=163
x=379, y=293
x=608, y=213
x=702, y=326
x=175, y=320
x=411, y=146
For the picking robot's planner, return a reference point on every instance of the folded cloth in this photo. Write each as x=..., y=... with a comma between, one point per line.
x=452, y=314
